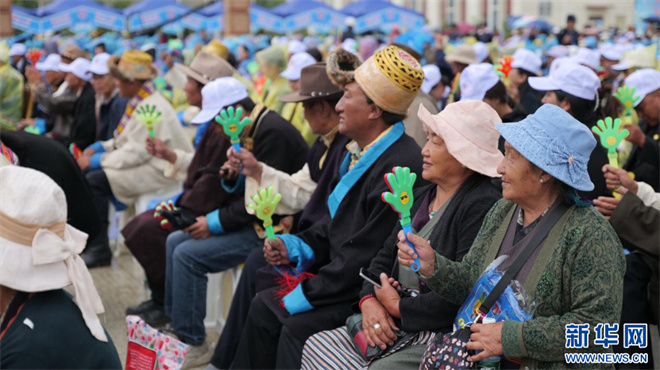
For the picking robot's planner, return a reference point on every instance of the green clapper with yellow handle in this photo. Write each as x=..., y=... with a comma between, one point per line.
x=264, y=203
x=627, y=97
x=610, y=134
x=148, y=115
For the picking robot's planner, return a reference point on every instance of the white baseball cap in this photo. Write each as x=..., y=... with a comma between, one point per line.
x=572, y=78
x=297, y=62
x=296, y=46
x=558, y=51
x=557, y=62
x=610, y=52
x=645, y=81
x=480, y=51
x=588, y=58
x=527, y=60
x=79, y=67
x=432, y=77
x=51, y=63
x=17, y=49
x=476, y=80
x=218, y=94
x=99, y=64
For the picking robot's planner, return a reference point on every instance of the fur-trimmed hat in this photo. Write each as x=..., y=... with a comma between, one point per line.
x=132, y=65
x=341, y=65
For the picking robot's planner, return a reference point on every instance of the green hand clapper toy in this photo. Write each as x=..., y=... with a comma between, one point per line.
x=400, y=198
x=264, y=205
x=610, y=137
x=148, y=115
x=626, y=95
x=233, y=125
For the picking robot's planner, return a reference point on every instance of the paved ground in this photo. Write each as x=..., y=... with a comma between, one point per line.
x=121, y=285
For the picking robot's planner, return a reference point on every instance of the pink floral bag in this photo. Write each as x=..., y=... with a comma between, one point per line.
x=149, y=349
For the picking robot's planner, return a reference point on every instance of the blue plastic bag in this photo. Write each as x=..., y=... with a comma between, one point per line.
x=513, y=303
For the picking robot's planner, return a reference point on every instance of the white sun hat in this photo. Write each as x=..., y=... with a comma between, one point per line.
x=40, y=251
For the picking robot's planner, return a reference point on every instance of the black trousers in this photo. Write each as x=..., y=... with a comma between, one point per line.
x=240, y=305
x=102, y=192
x=636, y=308
x=265, y=343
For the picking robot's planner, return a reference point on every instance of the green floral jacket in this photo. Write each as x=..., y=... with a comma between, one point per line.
x=576, y=279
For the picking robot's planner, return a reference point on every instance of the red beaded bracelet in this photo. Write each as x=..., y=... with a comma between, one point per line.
x=364, y=299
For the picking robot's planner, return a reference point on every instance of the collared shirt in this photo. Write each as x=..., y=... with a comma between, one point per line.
x=327, y=140
x=521, y=230
x=357, y=152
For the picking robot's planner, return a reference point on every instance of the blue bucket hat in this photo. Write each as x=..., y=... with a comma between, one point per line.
x=555, y=142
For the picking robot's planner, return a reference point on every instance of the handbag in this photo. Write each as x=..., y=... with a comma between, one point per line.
x=450, y=351
x=359, y=340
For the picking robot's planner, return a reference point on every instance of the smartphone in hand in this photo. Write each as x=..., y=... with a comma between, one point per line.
x=370, y=277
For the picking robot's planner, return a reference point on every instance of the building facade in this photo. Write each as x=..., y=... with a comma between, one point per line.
x=440, y=13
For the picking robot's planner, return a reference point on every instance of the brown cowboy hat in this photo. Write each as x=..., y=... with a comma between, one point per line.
x=206, y=67
x=132, y=65
x=314, y=85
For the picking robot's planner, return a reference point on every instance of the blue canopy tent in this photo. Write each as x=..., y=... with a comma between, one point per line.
x=382, y=15
x=209, y=18
x=153, y=13
x=263, y=19
x=212, y=10
x=25, y=20
x=300, y=14
x=79, y=16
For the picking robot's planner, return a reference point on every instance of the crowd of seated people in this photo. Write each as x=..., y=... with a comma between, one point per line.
x=500, y=168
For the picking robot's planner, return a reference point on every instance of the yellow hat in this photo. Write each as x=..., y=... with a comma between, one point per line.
x=216, y=47
x=133, y=65
x=391, y=78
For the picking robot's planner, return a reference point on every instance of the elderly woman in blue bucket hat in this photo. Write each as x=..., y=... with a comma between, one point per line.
x=574, y=274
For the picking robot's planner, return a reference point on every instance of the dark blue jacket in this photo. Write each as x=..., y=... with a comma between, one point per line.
x=111, y=113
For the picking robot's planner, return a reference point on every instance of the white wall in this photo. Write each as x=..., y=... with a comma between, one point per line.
x=613, y=12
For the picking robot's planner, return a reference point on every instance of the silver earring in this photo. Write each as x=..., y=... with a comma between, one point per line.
x=541, y=180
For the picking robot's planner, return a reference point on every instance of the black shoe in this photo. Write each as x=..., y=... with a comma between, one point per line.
x=98, y=253
x=143, y=307
x=97, y=257
x=156, y=318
